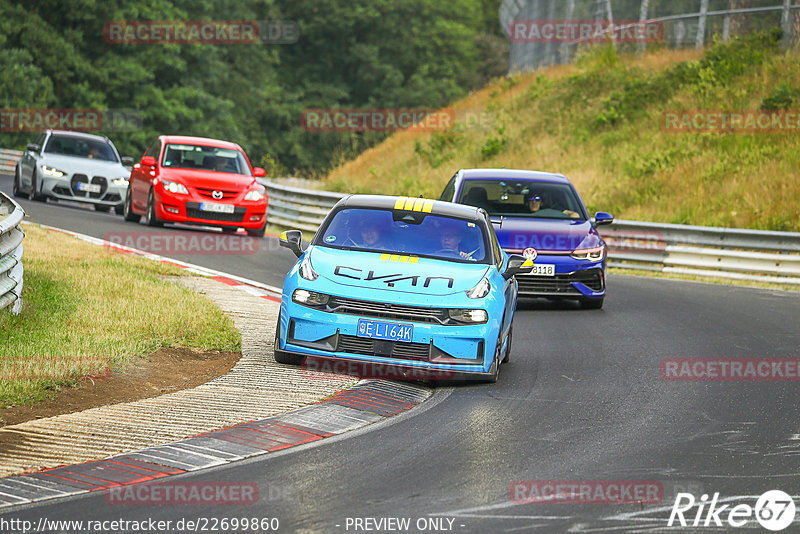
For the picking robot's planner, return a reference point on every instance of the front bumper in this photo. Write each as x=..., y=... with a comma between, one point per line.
x=436, y=352
x=573, y=279
x=68, y=188
x=180, y=208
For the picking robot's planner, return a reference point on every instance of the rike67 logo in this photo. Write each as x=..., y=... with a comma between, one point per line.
x=774, y=510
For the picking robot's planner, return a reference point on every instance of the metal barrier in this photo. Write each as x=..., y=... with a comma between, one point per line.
x=298, y=208
x=671, y=248
x=10, y=254
x=705, y=251
x=8, y=160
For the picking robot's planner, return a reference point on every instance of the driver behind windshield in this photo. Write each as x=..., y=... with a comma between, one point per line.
x=535, y=206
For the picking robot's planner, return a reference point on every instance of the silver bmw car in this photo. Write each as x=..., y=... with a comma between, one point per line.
x=73, y=166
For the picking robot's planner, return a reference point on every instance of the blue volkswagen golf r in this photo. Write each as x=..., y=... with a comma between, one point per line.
x=417, y=286
x=541, y=216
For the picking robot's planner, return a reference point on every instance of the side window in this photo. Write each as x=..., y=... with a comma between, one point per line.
x=154, y=150
x=498, y=254
x=449, y=190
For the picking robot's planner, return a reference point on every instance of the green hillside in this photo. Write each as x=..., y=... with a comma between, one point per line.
x=601, y=122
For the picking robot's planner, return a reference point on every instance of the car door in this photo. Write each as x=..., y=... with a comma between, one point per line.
x=510, y=285
x=29, y=161
x=141, y=177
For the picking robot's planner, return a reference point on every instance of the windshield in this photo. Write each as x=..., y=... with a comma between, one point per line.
x=416, y=234
x=80, y=147
x=208, y=158
x=523, y=198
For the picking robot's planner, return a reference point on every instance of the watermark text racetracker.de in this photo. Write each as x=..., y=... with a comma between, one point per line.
x=730, y=369
x=197, y=243
x=585, y=31
x=81, y=120
x=201, y=32
x=727, y=121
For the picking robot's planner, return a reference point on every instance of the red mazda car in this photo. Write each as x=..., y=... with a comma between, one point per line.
x=197, y=181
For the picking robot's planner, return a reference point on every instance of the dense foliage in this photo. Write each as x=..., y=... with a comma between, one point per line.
x=350, y=54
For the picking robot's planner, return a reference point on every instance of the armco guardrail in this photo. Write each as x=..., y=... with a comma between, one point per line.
x=298, y=208
x=674, y=248
x=8, y=160
x=10, y=254
x=705, y=251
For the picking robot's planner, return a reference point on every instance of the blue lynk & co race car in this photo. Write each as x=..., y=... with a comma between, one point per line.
x=401, y=287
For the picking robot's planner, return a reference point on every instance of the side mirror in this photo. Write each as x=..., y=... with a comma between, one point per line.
x=258, y=172
x=601, y=218
x=291, y=239
x=148, y=161
x=33, y=147
x=517, y=265
x=127, y=161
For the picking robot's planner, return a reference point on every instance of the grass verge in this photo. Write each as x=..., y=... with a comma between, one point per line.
x=88, y=309
x=599, y=122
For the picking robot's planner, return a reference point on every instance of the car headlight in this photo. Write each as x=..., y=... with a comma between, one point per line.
x=174, y=187
x=255, y=194
x=468, y=316
x=481, y=290
x=122, y=181
x=310, y=298
x=307, y=271
x=52, y=171
x=591, y=254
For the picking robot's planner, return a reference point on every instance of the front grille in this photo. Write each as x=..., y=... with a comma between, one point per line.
x=209, y=193
x=560, y=284
x=381, y=310
x=82, y=178
x=193, y=210
x=393, y=349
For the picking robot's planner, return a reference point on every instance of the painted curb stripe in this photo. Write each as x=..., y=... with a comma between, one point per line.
x=363, y=404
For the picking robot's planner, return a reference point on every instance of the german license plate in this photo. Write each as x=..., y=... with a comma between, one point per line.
x=543, y=269
x=387, y=331
x=217, y=208
x=89, y=188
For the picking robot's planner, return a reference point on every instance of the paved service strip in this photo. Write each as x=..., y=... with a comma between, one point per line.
x=256, y=388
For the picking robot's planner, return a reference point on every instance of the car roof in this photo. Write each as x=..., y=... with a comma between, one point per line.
x=513, y=174
x=435, y=207
x=84, y=135
x=206, y=141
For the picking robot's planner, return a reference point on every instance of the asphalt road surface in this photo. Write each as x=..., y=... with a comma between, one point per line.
x=583, y=399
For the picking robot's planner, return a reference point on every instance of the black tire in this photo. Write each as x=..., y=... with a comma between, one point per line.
x=150, y=218
x=507, y=355
x=16, y=191
x=592, y=304
x=283, y=356
x=33, y=195
x=495, y=369
x=119, y=209
x=257, y=233
x=127, y=210
x=102, y=208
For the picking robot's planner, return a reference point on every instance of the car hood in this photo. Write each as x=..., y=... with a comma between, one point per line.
x=372, y=271
x=518, y=233
x=208, y=179
x=91, y=167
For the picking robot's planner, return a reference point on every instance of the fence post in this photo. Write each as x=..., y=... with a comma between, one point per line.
x=643, y=10
x=786, y=23
x=565, y=53
x=726, y=29
x=701, y=24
